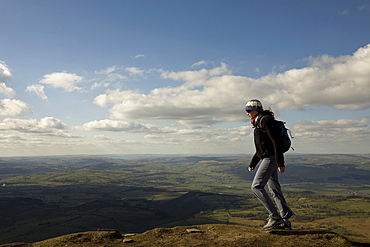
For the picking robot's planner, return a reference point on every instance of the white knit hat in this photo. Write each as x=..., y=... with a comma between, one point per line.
x=254, y=105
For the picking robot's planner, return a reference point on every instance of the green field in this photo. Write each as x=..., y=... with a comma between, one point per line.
x=43, y=197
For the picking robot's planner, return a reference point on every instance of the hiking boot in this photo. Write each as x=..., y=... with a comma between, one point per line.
x=287, y=225
x=273, y=222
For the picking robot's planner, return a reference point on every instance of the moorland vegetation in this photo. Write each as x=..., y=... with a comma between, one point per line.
x=47, y=197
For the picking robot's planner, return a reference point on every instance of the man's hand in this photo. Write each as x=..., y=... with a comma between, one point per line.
x=281, y=169
x=251, y=169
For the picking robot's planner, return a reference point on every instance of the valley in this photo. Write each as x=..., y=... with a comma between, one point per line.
x=44, y=197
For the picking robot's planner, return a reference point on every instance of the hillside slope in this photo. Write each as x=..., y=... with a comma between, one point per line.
x=201, y=235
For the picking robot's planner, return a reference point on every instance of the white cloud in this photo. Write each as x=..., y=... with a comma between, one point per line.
x=139, y=56
x=320, y=135
x=38, y=90
x=4, y=71
x=110, y=74
x=63, y=80
x=47, y=126
x=134, y=71
x=154, y=137
x=206, y=97
x=325, y=125
x=53, y=123
x=343, y=83
x=214, y=95
x=176, y=104
x=7, y=91
x=101, y=100
x=196, y=78
x=99, y=85
x=12, y=107
x=5, y=74
x=113, y=125
x=241, y=130
x=361, y=8
x=31, y=125
x=326, y=61
x=107, y=71
x=257, y=70
x=345, y=12
x=102, y=137
x=115, y=77
x=11, y=138
x=198, y=64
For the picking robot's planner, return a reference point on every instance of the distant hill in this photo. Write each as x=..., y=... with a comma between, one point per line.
x=200, y=235
x=30, y=220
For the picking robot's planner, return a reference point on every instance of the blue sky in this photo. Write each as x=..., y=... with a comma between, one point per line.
x=172, y=77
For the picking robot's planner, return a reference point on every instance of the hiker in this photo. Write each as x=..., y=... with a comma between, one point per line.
x=270, y=157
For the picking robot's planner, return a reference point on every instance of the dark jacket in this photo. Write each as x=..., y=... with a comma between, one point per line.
x=267, y=140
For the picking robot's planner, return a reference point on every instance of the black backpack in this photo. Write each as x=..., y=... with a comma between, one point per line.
x=285, y=134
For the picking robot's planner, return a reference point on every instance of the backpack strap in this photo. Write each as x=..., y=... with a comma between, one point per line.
x=258, y=122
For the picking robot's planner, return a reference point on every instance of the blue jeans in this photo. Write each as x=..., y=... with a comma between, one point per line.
x=267, y=174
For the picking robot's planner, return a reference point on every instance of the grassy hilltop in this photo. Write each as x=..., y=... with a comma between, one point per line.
x=46, y=197
x=200, y=235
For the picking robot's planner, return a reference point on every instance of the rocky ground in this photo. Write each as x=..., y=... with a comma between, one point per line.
x=201, y=235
